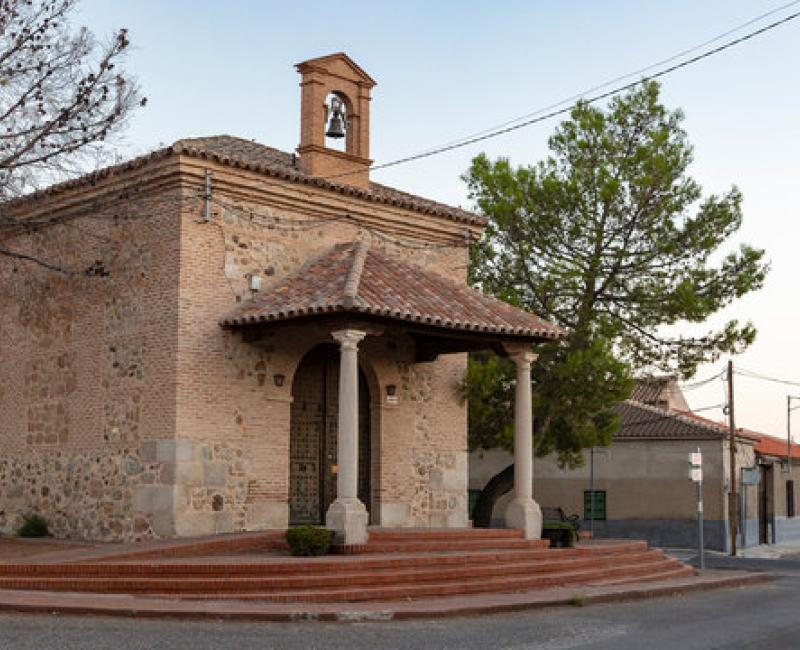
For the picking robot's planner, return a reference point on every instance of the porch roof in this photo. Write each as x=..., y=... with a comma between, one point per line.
x=353, y=278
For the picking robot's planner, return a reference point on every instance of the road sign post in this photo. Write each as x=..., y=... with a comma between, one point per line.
x=696, y=476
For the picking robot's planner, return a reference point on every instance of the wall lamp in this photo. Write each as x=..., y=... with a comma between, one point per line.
x=279, y=379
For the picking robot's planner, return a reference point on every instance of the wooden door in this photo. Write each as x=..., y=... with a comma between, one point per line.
x=313, y=437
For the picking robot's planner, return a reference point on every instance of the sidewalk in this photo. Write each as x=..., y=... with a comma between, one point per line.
x=785, y=550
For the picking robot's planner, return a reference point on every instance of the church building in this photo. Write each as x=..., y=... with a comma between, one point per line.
x=237, y=338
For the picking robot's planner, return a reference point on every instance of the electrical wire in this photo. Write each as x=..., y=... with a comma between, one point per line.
x=668, y=415
x=289, y=224
x=595, y=98
x=754, y=375
x=700, y=384
x=635, y=73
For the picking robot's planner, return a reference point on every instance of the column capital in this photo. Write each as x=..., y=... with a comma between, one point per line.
x=523, y=358
x=348, y=339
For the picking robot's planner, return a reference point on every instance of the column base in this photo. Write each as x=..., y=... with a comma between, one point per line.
x=523, y=513
x=348, y=519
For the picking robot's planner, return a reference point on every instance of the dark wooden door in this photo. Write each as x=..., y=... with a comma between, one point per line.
x=313, y=436
x=763, y=505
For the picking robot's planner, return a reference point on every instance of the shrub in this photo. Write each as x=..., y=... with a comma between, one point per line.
x=560, y=533
x=309, y=540
x=33, y=526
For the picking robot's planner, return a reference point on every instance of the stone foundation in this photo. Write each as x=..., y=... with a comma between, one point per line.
x=82, y=495
x=163, y=488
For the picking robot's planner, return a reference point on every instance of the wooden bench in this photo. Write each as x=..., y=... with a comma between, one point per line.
x=562, y=530
x=557, y=514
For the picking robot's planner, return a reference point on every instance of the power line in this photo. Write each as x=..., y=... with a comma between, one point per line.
x=289, y=224
x=754, y=375
x=554, y=113
x=670, y=415
x=635, y=73
x=700, y=384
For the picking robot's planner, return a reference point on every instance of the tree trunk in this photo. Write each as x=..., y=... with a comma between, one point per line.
x=497, y=486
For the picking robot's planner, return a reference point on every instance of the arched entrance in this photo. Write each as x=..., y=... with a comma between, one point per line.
x=313, y=434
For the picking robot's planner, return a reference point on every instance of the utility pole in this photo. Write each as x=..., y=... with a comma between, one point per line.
x=732, y=445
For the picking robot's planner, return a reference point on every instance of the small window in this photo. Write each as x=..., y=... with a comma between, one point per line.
x=790, y=498
x=594, y=505
x=473, y=499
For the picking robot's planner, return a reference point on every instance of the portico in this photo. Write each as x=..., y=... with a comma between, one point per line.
x=426, y=321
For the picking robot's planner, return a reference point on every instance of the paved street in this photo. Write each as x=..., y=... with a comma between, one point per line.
x=764, y=616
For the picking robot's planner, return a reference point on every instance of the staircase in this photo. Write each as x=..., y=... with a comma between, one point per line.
x=393, y=565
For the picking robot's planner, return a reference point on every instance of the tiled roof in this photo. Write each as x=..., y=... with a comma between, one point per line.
x=246, y=154
x=641, y=421
x=769, y=446
x=228, y=150
x=649, y=389
x=354, y=278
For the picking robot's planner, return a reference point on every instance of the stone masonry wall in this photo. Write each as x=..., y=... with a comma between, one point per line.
x=87, y=363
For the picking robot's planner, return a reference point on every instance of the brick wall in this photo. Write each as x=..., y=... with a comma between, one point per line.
x=127, y=412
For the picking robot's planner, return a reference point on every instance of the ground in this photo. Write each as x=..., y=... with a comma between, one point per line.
x=759, y=616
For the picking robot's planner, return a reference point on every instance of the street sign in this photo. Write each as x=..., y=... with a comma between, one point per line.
x=751, y=476
x=696, y=476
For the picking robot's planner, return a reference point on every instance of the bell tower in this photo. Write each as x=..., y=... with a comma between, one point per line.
x=334, y=103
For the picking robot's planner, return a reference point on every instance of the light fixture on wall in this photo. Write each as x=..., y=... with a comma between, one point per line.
x=391, y=394
x=279, y=379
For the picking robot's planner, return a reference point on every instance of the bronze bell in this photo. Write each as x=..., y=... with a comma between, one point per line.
x=336, y=126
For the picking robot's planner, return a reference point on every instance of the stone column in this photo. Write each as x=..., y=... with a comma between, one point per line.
x=523, y=512
x=347, y=516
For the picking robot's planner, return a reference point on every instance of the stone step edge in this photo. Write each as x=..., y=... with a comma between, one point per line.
x=443, y=533
x=390, y=576
x=437, y=545
x=127, y=606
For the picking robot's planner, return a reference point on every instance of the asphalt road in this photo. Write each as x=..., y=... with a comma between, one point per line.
x=761, y=616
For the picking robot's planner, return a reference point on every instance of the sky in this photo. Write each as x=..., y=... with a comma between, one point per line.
x=446, y=69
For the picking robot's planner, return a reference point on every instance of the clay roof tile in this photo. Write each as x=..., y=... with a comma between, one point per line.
x=355, y=278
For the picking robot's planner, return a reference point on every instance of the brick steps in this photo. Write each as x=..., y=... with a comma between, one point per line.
x=194, y=583
x=397, y=565
x=441, y=589
x=679, y=571
x=263, y=566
